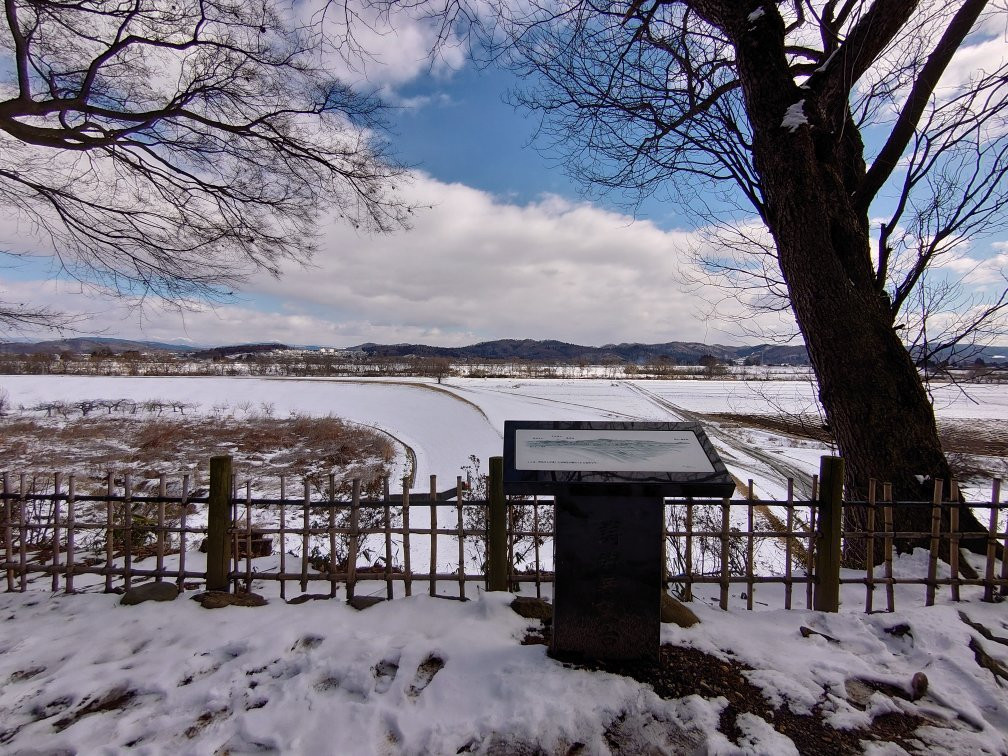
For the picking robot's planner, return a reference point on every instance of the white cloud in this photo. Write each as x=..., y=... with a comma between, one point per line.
x=472, y=268
x=383, y=49
x=989, y=271
x=977, y=271
x=474, y=264
x=984, y=56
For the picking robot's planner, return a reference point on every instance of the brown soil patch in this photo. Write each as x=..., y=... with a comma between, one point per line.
x=684, y=671
x=115, y=700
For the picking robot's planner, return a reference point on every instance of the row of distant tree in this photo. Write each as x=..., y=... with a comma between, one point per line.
x=292, y=363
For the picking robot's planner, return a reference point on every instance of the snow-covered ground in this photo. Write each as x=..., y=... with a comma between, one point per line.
x=445, y=424
x=82, y=674
x=79, y=673
x=440, y=429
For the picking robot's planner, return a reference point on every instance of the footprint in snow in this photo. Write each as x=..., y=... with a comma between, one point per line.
x=424, y=674
x=25, y=674
x=278, y=669
x=385, y=673
x=348, y=686
x=307, y=643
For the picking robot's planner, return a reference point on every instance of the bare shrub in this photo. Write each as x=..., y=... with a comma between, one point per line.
x=101, y=443
x=38, y=517
x=160, y=436
x=706, y=550
x=524, y=516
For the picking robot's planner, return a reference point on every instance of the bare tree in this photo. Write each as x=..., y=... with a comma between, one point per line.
x=172, y=148
x=950, y=191
x=735, y=107
x=17, y=316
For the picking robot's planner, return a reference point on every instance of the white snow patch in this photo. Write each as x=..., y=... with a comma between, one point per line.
x=422, y=675
x=826, y=62
x=759, y=736
x=794, y=116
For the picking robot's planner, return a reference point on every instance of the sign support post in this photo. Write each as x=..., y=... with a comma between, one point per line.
x=609, y=481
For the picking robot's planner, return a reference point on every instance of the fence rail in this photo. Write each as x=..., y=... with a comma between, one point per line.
x=59, y=539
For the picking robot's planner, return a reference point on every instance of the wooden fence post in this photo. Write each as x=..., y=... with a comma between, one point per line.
x=725, y=564
x=497, y=567
x=991, y=540
x=461, y=537
x=8, y=540
x=127, y=537
x=218, y=524
x=827, y=561
x=434, y=529
x=354, y=546
x=56, y=532
x=71, y=523
x=407, y=483
x=936, y=503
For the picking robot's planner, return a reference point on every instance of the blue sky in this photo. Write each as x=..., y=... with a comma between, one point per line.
x=510, y=249
x=466, y=131
x=463, y=131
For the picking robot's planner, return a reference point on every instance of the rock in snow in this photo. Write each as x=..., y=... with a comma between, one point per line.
x=220, y=599
x=150, y=592
x=675, y=612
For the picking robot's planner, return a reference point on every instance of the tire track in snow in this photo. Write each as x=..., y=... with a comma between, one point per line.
x=547, y=401
x=729, y=443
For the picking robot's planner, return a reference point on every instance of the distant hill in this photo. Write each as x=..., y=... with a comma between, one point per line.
x=682, y=352
x=87, y=344
x=968, y=355
x=530, y=350
x=230, y=351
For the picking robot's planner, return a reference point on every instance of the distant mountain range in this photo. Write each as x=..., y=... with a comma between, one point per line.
x=88, y=344
x=681, y=352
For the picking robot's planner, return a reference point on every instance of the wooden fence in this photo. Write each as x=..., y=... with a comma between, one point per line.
x=60, y=539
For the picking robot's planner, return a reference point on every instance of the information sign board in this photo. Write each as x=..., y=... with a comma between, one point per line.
x=638, y=458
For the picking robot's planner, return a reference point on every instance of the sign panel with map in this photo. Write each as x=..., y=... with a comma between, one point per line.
x=651, y=458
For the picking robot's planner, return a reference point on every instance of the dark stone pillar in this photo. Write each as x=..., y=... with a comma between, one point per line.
x=607, y=595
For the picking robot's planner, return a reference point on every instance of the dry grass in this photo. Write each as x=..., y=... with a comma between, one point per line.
x=958, y=437
x=972, y=437
x=148, y=446
x=799, y=426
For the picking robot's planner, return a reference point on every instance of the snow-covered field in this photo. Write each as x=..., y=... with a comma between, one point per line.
x=81, y=674
x=445, y=424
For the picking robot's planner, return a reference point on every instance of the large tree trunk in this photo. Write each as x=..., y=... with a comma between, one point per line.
x=869, y=387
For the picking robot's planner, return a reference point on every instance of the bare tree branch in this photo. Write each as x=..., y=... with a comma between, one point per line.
x=172, y=150
x=902, y=132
